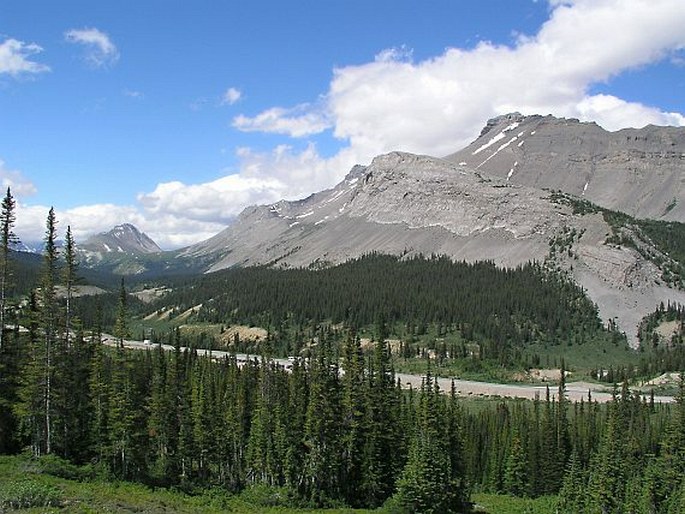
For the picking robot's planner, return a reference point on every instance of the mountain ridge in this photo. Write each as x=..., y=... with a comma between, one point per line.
x=636, y=171
x=406, y=204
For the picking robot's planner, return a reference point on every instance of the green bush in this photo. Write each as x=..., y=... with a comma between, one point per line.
x=55, y=466
x=266, y=496
x=27, y=493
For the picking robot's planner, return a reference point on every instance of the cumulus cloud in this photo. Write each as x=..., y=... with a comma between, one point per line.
x=15, y=58
x=84, y=220
x=231, y=96
x=264, y=177
x=166, y=229
x=302, y=120
x=438, y=105
x=100, y=51
x=16, y=181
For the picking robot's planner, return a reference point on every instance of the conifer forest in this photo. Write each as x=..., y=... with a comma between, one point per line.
x=336, y=428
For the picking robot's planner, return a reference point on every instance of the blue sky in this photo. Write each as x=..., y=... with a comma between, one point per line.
x=175, y=115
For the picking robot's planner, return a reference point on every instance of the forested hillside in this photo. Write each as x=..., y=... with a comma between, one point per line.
x=501, y=311
x=336, y=427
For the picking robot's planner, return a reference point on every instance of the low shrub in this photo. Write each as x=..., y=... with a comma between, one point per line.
x=24, y=494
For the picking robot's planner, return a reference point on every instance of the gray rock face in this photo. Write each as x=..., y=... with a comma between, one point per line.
x=637, y=171
x=407, y=204
x=490, y=201
x=122, y=239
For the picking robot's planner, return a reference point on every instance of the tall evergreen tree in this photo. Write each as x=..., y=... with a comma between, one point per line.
x=608, y=475
x=121, y=415
x=515, y=471
x=31, y=407
x=427, y=484
x=355, y=392
x=49, y=322
x=666, y=476
x=70, y=266
x=323, y=465
x=9, y=353
x=7, y=239
x=383, y=441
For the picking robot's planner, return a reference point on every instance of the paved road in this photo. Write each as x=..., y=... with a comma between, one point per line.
x=575, y=391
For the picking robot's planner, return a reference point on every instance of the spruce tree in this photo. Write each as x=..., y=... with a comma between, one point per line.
x=7, y=239
x=120, y=415
x=427, y=484
x=608, y=476
x=49, y=322
x=70, y=266
x=355, y=391
x=323, y=465
x=574, y=489
x=515, y=470
x=31, y=407
x=9, y=353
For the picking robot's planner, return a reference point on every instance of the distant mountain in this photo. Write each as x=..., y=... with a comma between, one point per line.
x=636, y=171
x=123, y=250
x=468, y=208
x=121, y=239
x=29, y=247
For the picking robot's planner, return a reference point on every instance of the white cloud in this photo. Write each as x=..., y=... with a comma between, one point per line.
x=438, y=105
x=397, y=54
x=15, y=180
x=616, y=113
x=84, y=220
x=231, y=96
x=264, y=177
x=100, y=51
x=15, y=58
x=168, y=231
x=300, y=121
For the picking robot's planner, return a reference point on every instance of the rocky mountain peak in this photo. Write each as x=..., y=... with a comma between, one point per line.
x=124, y=239
x=637, y=171
x=504, y=119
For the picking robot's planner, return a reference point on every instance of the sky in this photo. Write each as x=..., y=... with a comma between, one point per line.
x=176, y=115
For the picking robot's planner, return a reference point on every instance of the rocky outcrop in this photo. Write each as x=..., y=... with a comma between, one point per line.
x=491, y=201
x=408, y=204
x=637, y=171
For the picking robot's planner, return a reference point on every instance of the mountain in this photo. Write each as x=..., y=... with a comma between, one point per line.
x=636, y=171
x=35, y=247
x=122, y=250
x=121, y=239
x=400, y=203
x=406, y=204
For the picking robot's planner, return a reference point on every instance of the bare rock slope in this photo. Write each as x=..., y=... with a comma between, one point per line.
x=637, y=171
x=121, y=239
x=408, y=204
x=120, y=249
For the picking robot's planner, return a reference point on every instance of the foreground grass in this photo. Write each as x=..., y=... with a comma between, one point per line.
x=499, y=504
x=31, y=485
x=50, y=486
